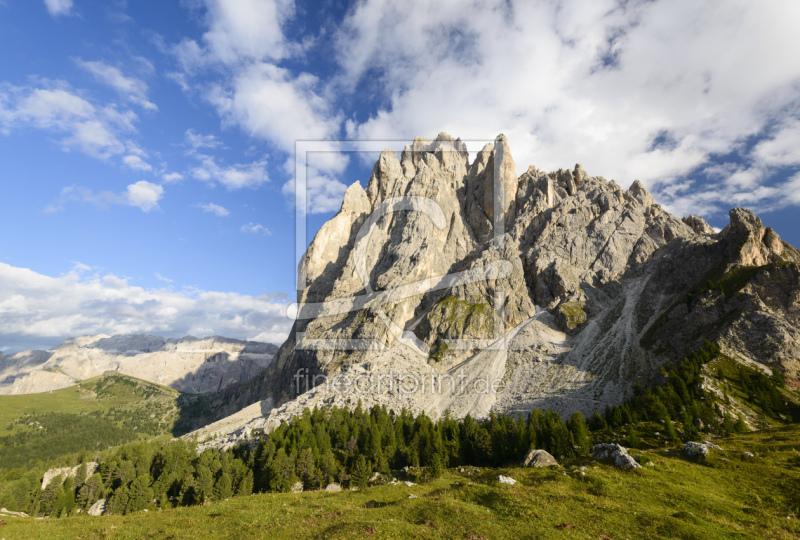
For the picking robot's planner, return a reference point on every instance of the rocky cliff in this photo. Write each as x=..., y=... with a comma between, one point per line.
x=559, y=289
x=188, y=364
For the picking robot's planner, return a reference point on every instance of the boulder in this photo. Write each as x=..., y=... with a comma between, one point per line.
x=98, y=508
x=539, y=458
x=333, y=488
x=506, y=480
x=617, y=453
x=700, y=450
x=297, y=487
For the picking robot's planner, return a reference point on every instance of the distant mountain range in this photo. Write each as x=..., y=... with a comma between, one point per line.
x=188, y=364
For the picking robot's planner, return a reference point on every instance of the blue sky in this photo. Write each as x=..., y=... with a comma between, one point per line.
x=148, y=146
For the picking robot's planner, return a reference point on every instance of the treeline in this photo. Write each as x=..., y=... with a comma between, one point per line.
x=681, y=402
x=349, y=447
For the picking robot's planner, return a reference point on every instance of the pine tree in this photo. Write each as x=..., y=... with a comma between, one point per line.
x=281, y=470
x=306, y=468
x=580, y=433
x=245, y=486
x=361, y=472
x=90, y=491
x=223, y=488
x=204, y=483
x=140, y=493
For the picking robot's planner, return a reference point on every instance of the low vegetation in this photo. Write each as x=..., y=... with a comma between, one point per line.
x=97, y=413
x=458, y=461
x=729, y=494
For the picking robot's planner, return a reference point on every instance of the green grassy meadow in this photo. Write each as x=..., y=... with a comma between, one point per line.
x=729, y=495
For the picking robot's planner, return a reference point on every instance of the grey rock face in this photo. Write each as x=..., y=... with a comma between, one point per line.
x=539, y=458
x=588, y=288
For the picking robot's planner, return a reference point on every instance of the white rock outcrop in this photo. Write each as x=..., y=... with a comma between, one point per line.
x=618, y=454
x=68, y=472
x=701, y=450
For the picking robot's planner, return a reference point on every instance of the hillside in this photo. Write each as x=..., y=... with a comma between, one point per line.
x=95, y=414
x=560, y=290
x=187, y=364
x=730, y=494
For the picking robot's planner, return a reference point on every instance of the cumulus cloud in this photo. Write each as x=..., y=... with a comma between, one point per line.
x=239, y=30
x=640, y=89
x=58, y=7
x=131, y=88
x=324, y=193
x=172, y=177
x=255, y=228
x=270, y=103
x=245, y=40
x=196, y=141
x=136, y=163
x=142, y=194
x=215, y=209
x=57, y=109
x=41, y=309
x=232, y=177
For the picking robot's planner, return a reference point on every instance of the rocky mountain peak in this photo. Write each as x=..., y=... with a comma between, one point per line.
x=757, y=245
x=587, y=289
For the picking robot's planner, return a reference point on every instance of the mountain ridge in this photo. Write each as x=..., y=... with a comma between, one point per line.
x=188, y=364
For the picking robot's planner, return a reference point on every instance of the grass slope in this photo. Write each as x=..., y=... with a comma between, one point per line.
x=727, y=496
x=99, y=393
x=103, y=411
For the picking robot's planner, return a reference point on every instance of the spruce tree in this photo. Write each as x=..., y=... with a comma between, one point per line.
x=140, y=493
x=361, y=472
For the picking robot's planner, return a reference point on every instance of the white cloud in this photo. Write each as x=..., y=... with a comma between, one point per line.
x=649, y=90
x=215, y=209
x=45, y=309
x=270, y=103
x=323, y=193
x=783, y=148
x=197, y=141
x=172, y=177
x=232, y=177
x=255, y=228
x=136, y=163
x=239, y=30
x=133, y=89
x=55, y=108
x=159, y=277
x=58, y=7
x=245, y=40
x=144, y=195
